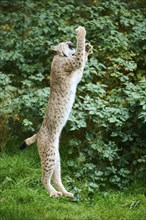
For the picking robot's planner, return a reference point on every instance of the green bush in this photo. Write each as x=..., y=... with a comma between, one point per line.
x=105, y=136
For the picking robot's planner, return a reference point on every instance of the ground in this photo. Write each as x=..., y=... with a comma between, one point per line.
x=23, y=196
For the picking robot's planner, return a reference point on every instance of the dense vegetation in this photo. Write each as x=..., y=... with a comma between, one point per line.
x=104, y=141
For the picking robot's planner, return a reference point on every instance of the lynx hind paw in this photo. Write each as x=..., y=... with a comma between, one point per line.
x=56, y=194
x=68, y=194
x=89, y=48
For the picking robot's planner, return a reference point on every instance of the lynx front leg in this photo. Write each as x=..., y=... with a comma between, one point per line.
x=80, y=54
x=78, y=61
x=58, y=181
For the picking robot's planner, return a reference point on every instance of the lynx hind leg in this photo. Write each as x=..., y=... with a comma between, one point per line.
x=46, y=179
x=57, y=179
x=48, y=162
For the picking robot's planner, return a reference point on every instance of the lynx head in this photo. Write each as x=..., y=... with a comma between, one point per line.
x=64, y=49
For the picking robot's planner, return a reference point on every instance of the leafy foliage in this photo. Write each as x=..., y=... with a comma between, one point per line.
x=105, y=136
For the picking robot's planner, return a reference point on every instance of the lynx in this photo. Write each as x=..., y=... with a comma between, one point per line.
x=66, y=72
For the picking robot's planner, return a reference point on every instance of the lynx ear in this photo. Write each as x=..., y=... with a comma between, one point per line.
x=54, y=48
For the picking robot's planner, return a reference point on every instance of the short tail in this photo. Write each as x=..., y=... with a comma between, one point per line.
x=28, y=142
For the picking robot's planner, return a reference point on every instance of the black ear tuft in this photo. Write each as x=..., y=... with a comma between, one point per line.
x=22, y=146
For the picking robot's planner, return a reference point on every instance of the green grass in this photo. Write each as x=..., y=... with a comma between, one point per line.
x=23, y=196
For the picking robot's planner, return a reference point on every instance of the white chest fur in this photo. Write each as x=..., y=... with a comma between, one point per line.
x=76, y=78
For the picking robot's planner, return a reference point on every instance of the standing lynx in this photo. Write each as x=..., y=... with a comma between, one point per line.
x=66, y=72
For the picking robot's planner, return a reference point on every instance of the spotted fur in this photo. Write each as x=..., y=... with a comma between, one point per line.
x=66, y=73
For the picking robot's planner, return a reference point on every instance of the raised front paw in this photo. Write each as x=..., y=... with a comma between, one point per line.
x=81, y=30
x=88, y=48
